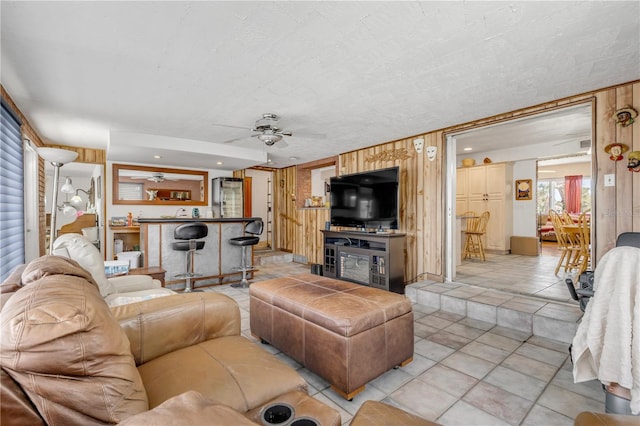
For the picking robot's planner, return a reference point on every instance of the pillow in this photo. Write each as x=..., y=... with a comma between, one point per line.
x=80, y=249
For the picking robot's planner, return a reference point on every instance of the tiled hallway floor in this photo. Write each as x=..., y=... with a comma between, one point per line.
x=527, y=275
x=464, y=372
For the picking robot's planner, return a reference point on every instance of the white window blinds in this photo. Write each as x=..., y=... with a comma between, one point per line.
x=11, y=193
x=130, y=191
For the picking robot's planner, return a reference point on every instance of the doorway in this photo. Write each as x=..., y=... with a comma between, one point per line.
x=262, y=203
x=525, y=144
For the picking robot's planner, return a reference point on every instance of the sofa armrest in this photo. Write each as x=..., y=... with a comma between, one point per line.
x=189, y=408
x=129, y=283
x=159, y=326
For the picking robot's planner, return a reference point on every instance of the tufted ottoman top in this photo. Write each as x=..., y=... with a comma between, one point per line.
x=342, y=307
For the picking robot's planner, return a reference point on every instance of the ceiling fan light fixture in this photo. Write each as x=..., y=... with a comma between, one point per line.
x=269, y=138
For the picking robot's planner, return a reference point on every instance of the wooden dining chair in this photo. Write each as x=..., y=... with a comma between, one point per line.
x=582, y=242
x=566, y=243
x=476, y=229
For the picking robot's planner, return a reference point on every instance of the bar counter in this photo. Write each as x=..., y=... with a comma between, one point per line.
x=215, y=262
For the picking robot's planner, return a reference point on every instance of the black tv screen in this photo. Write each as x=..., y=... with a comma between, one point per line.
x=367, y=199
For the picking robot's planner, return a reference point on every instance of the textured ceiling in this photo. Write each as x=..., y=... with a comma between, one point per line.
x=180, y=78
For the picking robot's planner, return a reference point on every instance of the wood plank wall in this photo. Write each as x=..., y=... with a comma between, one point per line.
x=422, y=198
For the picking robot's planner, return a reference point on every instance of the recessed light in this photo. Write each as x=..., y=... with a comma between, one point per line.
x=157, y=156
x=219, y=163
x=468, y=149
x=293, y=158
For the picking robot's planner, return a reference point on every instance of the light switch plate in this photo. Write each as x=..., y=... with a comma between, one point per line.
x=609, y=180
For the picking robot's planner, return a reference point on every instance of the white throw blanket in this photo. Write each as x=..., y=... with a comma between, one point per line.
x=607, y=343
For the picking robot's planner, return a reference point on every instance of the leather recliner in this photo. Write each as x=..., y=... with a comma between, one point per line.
x=116, y=290
x=67, y=358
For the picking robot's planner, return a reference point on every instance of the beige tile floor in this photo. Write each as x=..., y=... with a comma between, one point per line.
x=464, y=372
x=526, y=275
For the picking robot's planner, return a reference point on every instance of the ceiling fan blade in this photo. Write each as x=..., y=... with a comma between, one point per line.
x=232, y=127
x=235, y=139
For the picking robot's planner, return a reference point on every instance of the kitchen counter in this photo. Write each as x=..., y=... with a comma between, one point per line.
x=195, y=219
x=215, y=263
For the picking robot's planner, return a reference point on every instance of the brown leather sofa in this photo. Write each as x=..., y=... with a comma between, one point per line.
x=67, y=358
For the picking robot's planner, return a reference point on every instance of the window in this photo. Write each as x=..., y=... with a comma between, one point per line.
x=11, y=193
x=551, y=195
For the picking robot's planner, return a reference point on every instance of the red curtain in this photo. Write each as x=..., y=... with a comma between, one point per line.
x=573, y=193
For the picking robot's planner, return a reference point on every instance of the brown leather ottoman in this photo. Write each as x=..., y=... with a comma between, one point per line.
x=346, y=333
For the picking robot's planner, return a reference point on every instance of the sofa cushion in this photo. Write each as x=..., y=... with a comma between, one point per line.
x=61, y=344
x=189, y=408
x=230, y=370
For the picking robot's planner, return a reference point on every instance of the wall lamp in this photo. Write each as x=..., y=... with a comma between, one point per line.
x=76, y=200
x=58, y=158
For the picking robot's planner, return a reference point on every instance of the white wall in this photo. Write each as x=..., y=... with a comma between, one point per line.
x=319, y=177
x=524, y=211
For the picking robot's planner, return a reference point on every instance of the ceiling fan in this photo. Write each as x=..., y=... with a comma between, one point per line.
x=265, y=130
x=155, y=177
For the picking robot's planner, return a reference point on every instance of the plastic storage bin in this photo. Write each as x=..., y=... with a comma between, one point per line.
x=133, y=257
x=116, y=267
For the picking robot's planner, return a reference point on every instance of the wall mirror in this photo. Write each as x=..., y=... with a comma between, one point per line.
x=159, y=186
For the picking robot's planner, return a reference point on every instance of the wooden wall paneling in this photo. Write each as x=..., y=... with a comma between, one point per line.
x=275, y=214
x=635, y=176
x=281, y=208
x=434, y=209
x=605, y=231
x=287, y=215
x=624, y=216
x=409, y=213
x=418, y=169
x=311, y=242
x=85, y=155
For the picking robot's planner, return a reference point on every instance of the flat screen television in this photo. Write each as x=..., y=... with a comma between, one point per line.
x=365, y=200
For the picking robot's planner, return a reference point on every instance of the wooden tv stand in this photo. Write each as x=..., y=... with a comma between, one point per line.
x=367, y=258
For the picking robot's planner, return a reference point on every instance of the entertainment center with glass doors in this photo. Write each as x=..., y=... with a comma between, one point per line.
x=371, y=259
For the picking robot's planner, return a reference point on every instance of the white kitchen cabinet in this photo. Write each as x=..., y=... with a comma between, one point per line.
x=488, y=188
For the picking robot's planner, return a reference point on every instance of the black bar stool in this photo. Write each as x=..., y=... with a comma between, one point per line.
x=189, y=234
x=254, y=229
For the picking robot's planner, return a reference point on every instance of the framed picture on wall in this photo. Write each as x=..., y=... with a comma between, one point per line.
x=523, y=189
